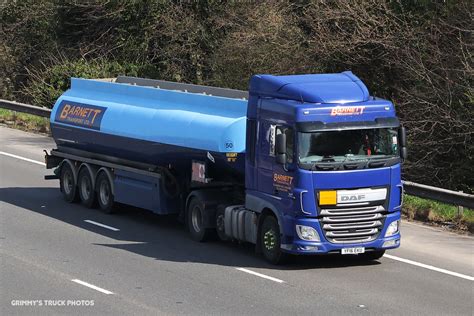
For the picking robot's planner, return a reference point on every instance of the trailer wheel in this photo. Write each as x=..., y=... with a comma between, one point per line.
x=86, y=189
x=195, y=221
x=67, y=183
x=270, y=241
x=104, y=193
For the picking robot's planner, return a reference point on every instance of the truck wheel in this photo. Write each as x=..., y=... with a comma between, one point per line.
x=373, y=255
x=195, y=221
x=86, y=191
x=104, y=193
x=270, y=241
x=67, y=184
x=220, y=223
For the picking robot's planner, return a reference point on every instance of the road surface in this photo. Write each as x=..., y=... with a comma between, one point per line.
x=56, y=258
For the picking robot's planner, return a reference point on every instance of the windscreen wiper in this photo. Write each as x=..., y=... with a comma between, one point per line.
x=328, y=159
x=324, y=166
x=377, y=162
x=351, y=162
x=329, y=163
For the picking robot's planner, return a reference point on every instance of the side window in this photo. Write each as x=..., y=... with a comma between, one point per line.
x=290, y=142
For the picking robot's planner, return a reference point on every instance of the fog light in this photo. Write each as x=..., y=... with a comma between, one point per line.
x=307, y=248
x=307, y=233
x=390, y=243
x=392, y=229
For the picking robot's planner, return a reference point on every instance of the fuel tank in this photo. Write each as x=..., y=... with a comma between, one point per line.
x=154, y=122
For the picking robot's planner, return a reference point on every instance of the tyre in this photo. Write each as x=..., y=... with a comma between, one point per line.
x=86, y=189
x=270, y=241
x=220, y=223
x=105, y=197
x=369, y=256
x=68, y=184
x=195, y=221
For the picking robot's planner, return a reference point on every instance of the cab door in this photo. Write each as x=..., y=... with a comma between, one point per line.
x=266, y=157
x=283, y=178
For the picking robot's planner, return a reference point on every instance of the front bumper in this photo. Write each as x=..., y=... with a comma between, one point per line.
x=293, y=244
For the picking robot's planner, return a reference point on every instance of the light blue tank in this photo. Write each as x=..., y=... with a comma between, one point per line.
x=96, y=108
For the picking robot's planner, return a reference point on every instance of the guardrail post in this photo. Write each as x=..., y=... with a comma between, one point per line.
x=460, y=209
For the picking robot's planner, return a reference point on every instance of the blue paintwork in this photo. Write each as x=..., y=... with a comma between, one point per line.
x=339, y=88
x=142, y=191
x=171, y=117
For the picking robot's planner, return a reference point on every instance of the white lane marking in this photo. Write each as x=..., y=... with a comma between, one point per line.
x=426, y=266
x=22, y=158
x=92, y=286
x=260, y=275
x=101, y=225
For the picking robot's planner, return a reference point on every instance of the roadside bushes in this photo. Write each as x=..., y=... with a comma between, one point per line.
x=47, y=83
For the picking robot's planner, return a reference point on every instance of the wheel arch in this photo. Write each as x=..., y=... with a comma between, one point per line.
x=263, y=208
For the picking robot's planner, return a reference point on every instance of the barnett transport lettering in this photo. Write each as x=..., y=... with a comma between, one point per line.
x=347, y=110
x=78, y=114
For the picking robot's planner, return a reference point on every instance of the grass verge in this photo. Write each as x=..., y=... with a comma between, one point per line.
x=24, y=121
x=438, y=213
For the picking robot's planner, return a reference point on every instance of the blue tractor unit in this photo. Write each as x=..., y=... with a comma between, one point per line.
x=299, y=164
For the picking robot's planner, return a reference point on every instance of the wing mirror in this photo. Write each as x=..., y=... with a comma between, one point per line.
x=403, y=153
x=402, y=136
x=280, y=148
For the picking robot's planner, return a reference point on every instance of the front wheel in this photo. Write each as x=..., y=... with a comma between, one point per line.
x=270, y=241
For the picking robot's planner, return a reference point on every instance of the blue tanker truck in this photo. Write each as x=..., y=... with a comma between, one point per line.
x=299, y=164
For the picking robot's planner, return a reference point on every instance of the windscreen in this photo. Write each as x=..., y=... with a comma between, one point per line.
x=347, y=145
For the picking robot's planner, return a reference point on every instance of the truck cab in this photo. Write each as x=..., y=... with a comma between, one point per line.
x=323, y=158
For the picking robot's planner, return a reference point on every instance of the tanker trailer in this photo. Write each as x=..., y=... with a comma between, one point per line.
x=302, y=164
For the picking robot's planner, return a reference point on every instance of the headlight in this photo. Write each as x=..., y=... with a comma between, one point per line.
x=392, y=229
x=307, y=233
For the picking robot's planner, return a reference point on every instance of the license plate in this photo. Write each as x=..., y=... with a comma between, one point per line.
x=352, y=251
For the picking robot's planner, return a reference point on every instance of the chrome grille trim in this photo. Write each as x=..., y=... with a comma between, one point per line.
x=353, y=210
x=352, y=204
x=354, y=218
x=347, y=233
x=351, y=240
x=344, y=224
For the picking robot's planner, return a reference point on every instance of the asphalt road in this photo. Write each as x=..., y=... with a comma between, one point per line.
x=145, y=264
